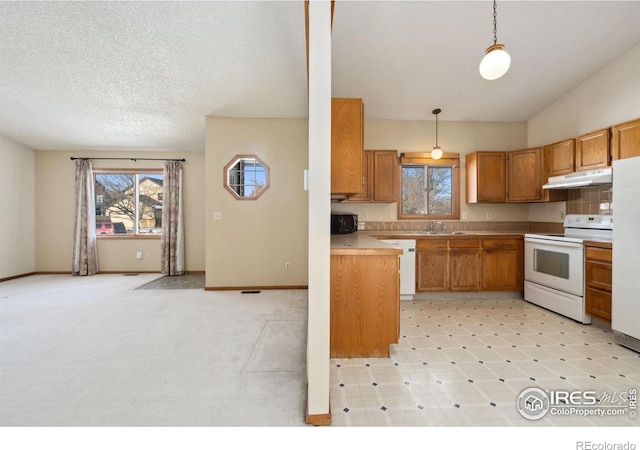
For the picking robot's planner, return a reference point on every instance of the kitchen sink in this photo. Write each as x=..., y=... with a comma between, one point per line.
x=438, y=233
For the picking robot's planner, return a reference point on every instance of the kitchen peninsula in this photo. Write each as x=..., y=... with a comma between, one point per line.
x=365, y=296
x=365, y=284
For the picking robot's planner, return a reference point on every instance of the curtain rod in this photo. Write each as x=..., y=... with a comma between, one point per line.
x=73, y=158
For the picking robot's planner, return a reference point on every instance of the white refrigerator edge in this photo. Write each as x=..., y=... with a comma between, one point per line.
x=625, y=303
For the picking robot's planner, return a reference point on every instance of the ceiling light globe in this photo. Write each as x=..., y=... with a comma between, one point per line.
x=495, y=63
x=436, y=153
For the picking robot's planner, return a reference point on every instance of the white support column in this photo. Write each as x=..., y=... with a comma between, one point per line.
x=319, y=208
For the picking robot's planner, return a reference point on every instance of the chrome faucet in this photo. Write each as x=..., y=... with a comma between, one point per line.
x=442, y=226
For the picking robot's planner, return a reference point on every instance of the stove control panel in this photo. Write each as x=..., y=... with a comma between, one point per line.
x=592, y=221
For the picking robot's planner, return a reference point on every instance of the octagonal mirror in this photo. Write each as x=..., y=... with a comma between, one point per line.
x=246, y=177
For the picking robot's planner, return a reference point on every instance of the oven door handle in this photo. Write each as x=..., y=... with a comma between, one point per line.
x=553, y=243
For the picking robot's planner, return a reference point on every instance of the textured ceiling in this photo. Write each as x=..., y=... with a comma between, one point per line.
x=144, y=75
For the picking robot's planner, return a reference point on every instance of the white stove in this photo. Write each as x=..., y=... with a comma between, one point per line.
x=582, y=227
x=554, y=264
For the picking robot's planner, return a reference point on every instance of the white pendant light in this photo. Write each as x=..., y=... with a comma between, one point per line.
x=496, y=60
x=436, y=153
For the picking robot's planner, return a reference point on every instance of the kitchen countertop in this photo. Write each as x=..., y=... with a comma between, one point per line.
x=360, y=244
x=448, y=235
x=368, y=242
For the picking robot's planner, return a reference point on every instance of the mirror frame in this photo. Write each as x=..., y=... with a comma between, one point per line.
x=234, y=161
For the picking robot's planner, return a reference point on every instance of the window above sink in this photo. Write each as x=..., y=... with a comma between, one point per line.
x=430, y=189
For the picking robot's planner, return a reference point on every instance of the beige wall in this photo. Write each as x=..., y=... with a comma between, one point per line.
x=17, y=220
x=609, y=97
x=456, y=137
x=254, y=239
x=55, y=207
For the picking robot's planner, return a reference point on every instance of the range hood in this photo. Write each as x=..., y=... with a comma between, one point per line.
x=581, y=179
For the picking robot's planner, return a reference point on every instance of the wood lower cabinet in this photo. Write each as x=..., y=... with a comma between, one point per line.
x=464, y=264
x=598, y=279
x=432, y=265
x=365, y=305
x=470, y=264
x=625, y=140
x=502, y=264
x=592, y=150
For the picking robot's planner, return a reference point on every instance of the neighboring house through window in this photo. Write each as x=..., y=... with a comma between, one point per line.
x=128, y=202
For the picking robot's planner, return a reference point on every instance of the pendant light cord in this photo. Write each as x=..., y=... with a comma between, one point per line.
x=436, y=112
x=495, y=23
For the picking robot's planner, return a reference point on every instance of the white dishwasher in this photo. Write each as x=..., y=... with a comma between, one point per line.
x=407, y=266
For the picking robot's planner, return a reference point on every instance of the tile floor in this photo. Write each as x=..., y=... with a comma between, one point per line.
x=464, y=362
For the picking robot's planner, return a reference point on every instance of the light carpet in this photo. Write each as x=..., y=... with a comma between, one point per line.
x=96, y=351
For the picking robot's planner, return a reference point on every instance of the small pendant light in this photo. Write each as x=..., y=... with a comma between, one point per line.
x=496, y=60
x=436, y=153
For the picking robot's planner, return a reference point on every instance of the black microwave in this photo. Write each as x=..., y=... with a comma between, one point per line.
x=343, y=223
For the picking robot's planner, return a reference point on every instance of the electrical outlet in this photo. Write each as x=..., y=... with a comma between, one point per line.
x=392, y=216
x=148, y=255
x=561, y=215
x=287, y=266
x=365, y=216
x=217, y=216
x=489, y=216
x=464, y=215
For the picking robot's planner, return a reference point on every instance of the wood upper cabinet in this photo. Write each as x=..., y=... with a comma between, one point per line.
x=592, y=150
x=527, y=172
x=380, y=172
x=367, y=174
x=598, y=280
x=486, y=177
x=625, y=140
x=347, y=146
x=502, y=264
x=385, y=175
x=559, y=158
x=524, y=175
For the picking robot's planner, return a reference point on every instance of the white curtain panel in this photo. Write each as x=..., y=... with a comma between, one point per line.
x=85, y=258
x=172, y=241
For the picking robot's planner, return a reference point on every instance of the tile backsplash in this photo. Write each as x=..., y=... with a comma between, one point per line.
x=591, y=200
x=463, y=225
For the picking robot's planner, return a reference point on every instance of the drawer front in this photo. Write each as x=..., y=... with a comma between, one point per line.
x=500, y=243
x=432, y=243
x=599, y=254
x=598, y=275
x=598, y=303
x=464, y=243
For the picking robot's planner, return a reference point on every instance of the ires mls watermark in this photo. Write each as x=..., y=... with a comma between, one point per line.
x=535, y=403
